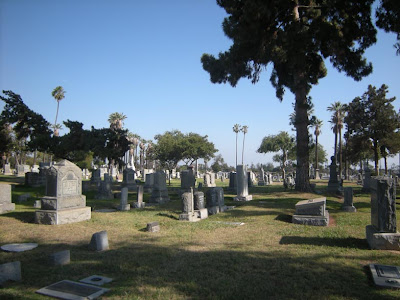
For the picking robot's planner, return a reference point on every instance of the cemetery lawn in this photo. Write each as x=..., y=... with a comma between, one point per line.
x=266, y=258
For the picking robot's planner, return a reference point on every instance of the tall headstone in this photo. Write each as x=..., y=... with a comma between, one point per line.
x=333, y=184
x=188, y=180
x=232, y=181
x=159, y=192
x=242, y=185
x=261, y=177
x=129, y=179
x=199, y=200
x=367, y=180
x=96, y=176
x=64, y=202
x=149, y=182
x=382, y=233
x=215, y=200
x=5, y=198
x=139, y=203
x=124, y=205
x=7, y=169
x=348, y=200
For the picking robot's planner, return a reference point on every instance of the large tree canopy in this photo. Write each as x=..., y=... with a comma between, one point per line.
x=388, y=18
x=295, y=37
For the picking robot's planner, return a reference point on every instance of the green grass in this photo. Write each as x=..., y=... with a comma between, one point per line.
x=267, y=258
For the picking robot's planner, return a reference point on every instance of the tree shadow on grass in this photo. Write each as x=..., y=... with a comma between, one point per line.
x=148, y=271
x=325, y=241
x=284, y=218
x=23, y=216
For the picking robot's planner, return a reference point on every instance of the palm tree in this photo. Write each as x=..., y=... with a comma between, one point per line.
x=236, y=129
x=115, y=120
x=58, y=93
x=317, y=124
x=57, y=128
x=337, y=120
x=244, y=130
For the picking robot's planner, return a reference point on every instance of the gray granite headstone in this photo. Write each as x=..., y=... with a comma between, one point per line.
x=242, y=185
x=159, y=192
x=348, y=200
x=99, y=241
x=5, y=198
x=333, y=184
x=10, y=271
x=232, y=181
x=60, y=258
x=124, y=206
x=311, y=212
x=153, y=227
x=199, y=200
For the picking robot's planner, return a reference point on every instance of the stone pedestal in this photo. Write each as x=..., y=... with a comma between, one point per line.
x=242, y=185
x=382, y=240
x=311, y=212
x=5, y=198
x=64, y=202
x=129, y=179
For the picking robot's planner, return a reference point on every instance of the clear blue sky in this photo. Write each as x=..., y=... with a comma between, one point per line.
x=142, y=58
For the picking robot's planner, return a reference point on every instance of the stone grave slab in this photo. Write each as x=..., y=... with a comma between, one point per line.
x=67, y=289
x=18, y=247
x=311, y=212
x=96, y=280
x=385, y=276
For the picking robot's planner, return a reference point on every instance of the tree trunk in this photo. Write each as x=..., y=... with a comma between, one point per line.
x=55, y=122
x=376, y=158
x=236, y=149
x=302, y=141
x=244, y=135
x=386, y=169
x=316, y=152
x=335, y=152
x=340, y=153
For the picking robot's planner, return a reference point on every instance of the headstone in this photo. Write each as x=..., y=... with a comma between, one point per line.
x=124, y=205
x=159, y=192
x=215, y=200
x=129, y=179
x=385, y=276
x=139, y=203
x=7, y=169
x=311, y=212
x=333, y=184
x=199, y=200
x=23, y=197
x=153, y=227
x=250, y=179
x=67, y=289
x=99, y=241
x=188, y=180
x=5, y=198
x=22, y=169
x=104, y=190
x=242, y=185
x=188, y=212
x=34, y=179
x=96, y=176
x=382, y=233
x=149, y=182
x=64, y=202
x=10, y=271
x=348, y=200
x=261, y=178
x=367, y=181
x=108, y=178
x=232, y=181
x=60, y=258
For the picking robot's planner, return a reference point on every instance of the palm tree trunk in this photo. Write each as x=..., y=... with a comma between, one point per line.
x=386, y=169
x=316, y=152
x=340, y=153
x=335, y=152
x=236, y=148
x=55, y=122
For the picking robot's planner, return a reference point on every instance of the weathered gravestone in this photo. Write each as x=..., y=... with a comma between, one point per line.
x=149, y=182
x=124, y=205
x=199, y=200
x=10, y=271
x=311, y=212
x=7, y=169
x=188, y=211
x=60, y=258
x=348, y=200
x=232, y=181
x=64, y=202
x=99, y=241
x=382, y=233
x=104, y=190
x=129, y=179
x=159, y=192
x=96, y=176
x=209, y=180
x=215, y=200
x=22, y=169
x=34, y=179
x=5, y=198
x=261, y=180
x=67, y=289
x=153, y=227
x=242, y=185
x=385, y=276
x=367, y=181
x=188, y=180
x=139, y=203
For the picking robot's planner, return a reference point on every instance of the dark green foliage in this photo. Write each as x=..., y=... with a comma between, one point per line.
x=388, y=18
x=294, y=37
x=196, y=147
x=372, y=123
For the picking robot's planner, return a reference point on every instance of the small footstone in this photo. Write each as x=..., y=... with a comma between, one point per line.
x=385, y=276
x=60, y=258
x=153, y=227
